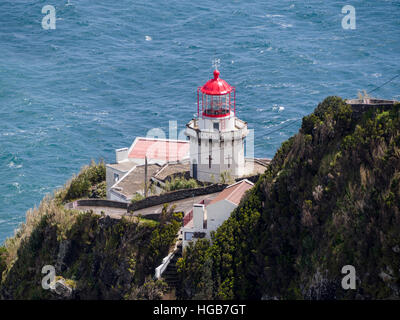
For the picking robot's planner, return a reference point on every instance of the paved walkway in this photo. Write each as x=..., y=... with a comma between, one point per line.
x=181, y=205
x=115, y=213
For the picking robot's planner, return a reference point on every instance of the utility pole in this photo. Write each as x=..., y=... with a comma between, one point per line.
x=145, y=177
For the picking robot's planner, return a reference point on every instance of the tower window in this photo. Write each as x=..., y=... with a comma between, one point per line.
x=216, y=125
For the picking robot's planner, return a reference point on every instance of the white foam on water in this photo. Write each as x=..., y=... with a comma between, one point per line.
x=274, y=15
x=13, y=165
x=285, y=25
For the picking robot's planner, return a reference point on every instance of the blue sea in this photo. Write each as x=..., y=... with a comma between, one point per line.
x=112, y=70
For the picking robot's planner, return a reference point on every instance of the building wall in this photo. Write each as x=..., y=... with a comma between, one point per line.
x=186, y=230
x=216, y=214
x=114, y=196
x=121, y=154
x=110, y=178
x=226, y=149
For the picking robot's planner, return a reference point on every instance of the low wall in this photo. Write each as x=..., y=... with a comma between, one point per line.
x=154, y=200
x=99, y=203
x=360, y=109
x=253, y=179
x=174, y=196
x=152, y=216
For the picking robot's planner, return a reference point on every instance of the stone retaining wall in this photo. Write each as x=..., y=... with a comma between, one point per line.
x=100, y=203
x=174, y=196
x=360, y=109
x=155, y=200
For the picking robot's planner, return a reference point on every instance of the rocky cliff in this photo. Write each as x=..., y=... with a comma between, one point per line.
x=94, y=257
x=330, y=198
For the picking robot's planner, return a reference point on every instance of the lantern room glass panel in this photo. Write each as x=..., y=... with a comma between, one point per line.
x=215, y=105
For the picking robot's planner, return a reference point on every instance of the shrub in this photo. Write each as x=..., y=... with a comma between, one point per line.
x=80, y=186
x=98, y=191
x=226, y=178
x=3, y=265
x=179, y=183
x=278, y=240
x=137, y=197
x=150, y=290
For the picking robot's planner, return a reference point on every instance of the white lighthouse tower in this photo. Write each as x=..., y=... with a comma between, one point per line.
x=216, y=136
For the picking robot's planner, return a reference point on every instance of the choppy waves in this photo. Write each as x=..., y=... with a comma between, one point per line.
x=110, y=72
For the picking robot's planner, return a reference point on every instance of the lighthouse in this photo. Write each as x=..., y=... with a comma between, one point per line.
x=216, y=136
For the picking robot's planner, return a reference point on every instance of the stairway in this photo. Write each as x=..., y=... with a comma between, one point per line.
x=170, y=275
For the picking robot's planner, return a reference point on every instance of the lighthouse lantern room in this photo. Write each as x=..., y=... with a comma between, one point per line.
x=216, y=135
x=217, y=98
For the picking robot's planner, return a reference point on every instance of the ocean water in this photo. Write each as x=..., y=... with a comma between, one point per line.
x=112, y=70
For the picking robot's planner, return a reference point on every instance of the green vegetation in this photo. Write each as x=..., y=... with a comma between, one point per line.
x=198, y=263
x=226, y=178
x=3, y=265
x=331, y=197
x=178, y=183
x=151, y=223
x=98, y=191
x=164, y=235
x=90, y=182
x=99, y=257
x=137, y=197
x=150, y=290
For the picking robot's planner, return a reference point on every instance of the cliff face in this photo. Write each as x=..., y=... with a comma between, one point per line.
x=330, y=198
x=95, y=257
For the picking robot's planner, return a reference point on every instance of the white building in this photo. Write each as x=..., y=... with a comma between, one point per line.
x=216, y=147
x=217, y=135
x=129, y=162
x=208, y=215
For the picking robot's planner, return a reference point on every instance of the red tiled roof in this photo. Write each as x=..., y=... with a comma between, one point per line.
x=167, y=150
x=187, y=218
x=234, y=192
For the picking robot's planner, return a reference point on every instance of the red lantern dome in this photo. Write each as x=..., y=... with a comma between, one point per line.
x=216, y=100
x=216, y=86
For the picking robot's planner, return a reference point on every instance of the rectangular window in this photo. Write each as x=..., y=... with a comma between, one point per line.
x=216, y=125
x=116, y=177
x=188, y=236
